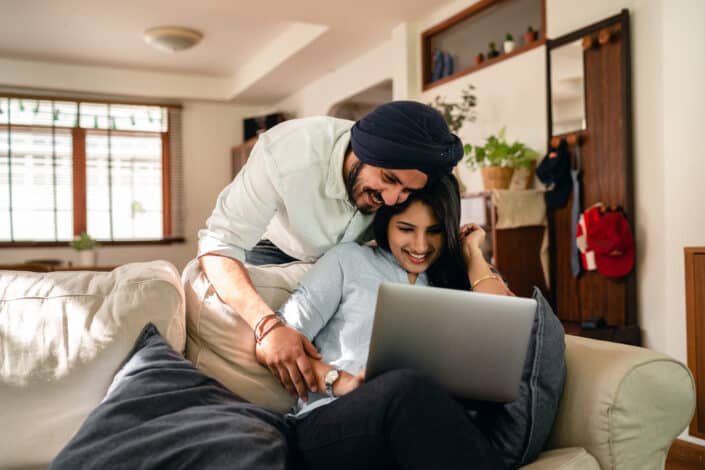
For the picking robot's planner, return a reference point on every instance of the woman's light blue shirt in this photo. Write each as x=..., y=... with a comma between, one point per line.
x=335, y=302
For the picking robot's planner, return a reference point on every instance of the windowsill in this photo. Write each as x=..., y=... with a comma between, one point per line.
x=43, y=244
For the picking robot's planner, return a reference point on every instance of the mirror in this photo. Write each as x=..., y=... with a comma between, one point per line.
x=568, y=88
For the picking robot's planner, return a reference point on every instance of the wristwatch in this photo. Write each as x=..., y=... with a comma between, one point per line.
x=329, y=379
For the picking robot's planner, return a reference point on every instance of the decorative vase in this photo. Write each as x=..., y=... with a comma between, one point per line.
x=508, y=46
x=530, y=36
x=497, y=177
x=88, y=258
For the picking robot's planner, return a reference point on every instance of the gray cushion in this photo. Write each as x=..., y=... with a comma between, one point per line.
x=519, y=430
x=161, y=412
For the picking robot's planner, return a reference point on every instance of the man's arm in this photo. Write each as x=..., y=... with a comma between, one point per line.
x=284, y=350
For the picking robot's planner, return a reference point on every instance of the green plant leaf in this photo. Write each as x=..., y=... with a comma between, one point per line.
x=84, y=242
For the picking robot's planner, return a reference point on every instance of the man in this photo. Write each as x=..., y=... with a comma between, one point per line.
x=308, y=185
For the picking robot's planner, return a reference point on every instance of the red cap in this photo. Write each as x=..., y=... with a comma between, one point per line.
x=611, y=239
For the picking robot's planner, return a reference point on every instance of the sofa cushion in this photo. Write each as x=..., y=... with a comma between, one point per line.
x=62, y=337
x=161, y=412
x=221, y=343
x=570, y=458
x=520, y=429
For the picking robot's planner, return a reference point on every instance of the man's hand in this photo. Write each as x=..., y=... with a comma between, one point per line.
x=285, y=352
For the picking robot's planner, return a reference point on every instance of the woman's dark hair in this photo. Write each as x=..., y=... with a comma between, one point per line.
x=442, y=195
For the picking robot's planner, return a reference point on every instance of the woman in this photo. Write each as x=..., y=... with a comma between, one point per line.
x=398, y=419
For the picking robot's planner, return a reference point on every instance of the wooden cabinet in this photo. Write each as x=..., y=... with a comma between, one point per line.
x=515, y=252
x=695, y=316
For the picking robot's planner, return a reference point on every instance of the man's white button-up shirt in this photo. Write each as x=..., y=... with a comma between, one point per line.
x=291, y=191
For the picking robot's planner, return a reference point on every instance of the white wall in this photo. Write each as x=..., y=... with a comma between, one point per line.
x=511, y=93
x=683, y=66
x=315, y=99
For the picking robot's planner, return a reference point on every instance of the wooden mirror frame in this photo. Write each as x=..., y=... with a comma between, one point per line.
x=613, y=299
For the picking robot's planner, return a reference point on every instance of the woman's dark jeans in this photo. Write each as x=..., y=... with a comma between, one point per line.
x=398, y=420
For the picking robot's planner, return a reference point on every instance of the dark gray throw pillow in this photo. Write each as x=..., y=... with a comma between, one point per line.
x=161, y=412
x=519, y=430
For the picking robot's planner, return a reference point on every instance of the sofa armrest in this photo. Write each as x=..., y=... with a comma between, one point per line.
x=624, y=404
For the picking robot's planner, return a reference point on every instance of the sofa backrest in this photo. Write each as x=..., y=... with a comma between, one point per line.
x=62, y=337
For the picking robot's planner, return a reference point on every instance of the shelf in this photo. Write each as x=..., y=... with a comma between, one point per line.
x=486, y=63
x=463, y=36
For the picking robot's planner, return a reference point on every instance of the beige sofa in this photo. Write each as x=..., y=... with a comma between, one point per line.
x=62, y=336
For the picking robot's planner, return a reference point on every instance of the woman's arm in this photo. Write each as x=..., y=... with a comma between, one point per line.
x=480, y=274
x=346, y=383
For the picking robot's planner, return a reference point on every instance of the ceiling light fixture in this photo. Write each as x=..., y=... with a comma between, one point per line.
x=172, y=38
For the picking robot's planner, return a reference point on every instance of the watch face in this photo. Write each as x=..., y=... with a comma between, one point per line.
x=331, y=376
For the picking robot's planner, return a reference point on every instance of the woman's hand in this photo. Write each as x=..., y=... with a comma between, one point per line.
x=472, y=236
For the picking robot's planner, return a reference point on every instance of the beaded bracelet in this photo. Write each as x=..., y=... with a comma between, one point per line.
x=274, y=324
x=262, y=319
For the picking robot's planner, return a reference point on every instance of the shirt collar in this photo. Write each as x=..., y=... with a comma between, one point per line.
x=335, y=186
x=421, y=280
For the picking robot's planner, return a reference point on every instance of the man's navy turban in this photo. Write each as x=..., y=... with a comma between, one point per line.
x=406, y=135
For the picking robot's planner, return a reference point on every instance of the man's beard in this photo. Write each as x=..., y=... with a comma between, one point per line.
x=354, y=191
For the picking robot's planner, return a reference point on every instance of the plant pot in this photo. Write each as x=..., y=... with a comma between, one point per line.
x=508, y=46
x=87, y=258
x=523, y=178
x=497, y=177
x=530, y=36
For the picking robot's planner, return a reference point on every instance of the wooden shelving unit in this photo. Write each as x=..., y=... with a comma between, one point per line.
x=469, y=32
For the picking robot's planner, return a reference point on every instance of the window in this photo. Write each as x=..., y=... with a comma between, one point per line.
x=72, y=166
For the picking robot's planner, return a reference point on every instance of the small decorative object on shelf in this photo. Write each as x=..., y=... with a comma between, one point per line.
x=86, y=245
x=508, y=43
x=530, y=35
x=479, y=58
x=443, y=65
x=448, y=64
x=493, y=52
x=498, y=159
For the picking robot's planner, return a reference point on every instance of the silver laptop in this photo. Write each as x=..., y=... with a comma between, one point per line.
x=474, y=345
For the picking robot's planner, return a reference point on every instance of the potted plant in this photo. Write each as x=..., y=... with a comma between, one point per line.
x=493, y=52
x=456, y=114
x=508, y=43
x=530, y=35
x=498, y=158
x=85, y=245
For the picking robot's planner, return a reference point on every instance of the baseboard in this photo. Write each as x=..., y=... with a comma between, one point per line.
x=687, y=453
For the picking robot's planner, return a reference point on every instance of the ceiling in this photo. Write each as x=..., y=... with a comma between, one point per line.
x=267, y=49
